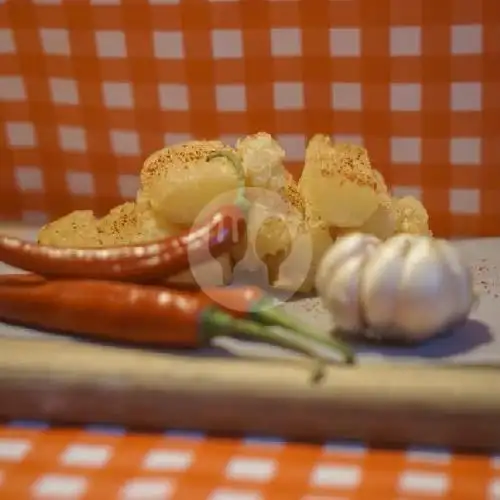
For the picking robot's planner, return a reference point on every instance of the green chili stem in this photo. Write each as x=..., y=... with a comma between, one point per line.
x=217, y=323
x=266, y=313
x=235, y=160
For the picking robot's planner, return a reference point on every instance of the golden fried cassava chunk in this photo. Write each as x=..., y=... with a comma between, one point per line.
x=184, y=190
x=78, y=228
x=158, y=163
x=411, y=216
x=263, y=161
x=339, y=183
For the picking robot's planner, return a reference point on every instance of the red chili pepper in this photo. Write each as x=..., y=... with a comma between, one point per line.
x=124, y=312
x=160, y=259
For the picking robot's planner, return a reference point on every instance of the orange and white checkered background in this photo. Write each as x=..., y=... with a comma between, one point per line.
x=96, y=463
x=88, y=88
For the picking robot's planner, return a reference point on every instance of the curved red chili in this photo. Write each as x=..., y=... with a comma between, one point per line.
x=160, y=259
x=124, y=312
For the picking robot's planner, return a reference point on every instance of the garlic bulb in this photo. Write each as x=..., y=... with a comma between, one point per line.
x=408, y=287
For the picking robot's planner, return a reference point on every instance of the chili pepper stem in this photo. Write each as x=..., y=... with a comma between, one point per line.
x=215, y=323
x=266, y=313
x=241, y=201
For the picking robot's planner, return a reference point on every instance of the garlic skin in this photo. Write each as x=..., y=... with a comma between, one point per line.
x=409, y=287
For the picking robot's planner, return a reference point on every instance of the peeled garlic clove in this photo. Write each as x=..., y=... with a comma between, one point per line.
x=344, y=248
x=341, y=296
x=380, y=281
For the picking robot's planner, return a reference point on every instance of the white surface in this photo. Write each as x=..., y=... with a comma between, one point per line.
x=477, y=342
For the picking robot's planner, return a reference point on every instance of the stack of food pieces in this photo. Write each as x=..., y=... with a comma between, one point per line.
x=290, y=225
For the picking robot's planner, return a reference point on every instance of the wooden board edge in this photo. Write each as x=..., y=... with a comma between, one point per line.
x=60, y=381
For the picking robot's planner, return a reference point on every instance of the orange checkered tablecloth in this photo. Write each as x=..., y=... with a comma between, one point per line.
x=104, y=463
x=88, y=88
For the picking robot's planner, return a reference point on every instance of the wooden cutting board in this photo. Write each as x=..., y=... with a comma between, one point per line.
x=63, y=381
